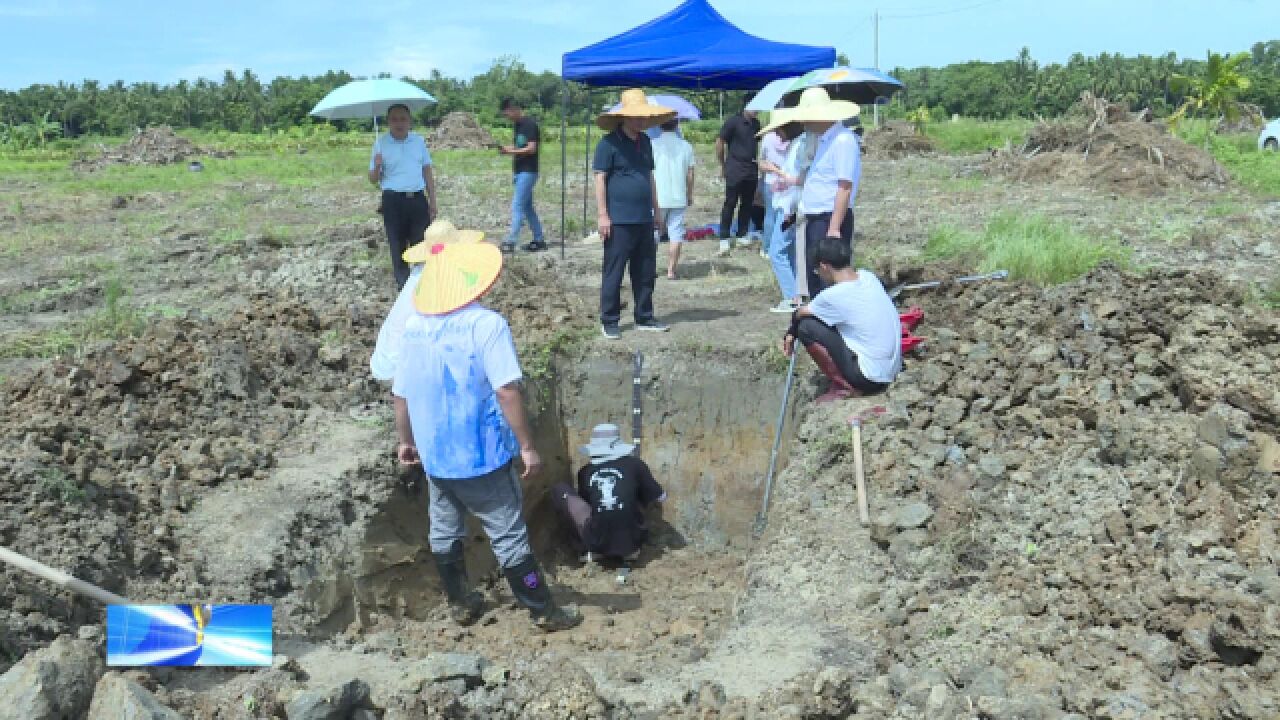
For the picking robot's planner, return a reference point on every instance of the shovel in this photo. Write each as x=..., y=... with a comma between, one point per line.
x=762, y=517
x=59, y=578
x=997, y=275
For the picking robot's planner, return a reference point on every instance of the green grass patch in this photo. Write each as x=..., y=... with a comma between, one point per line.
x=1227, y=208
x=1034, y=248
x=116, y=319
x=966, y=136
x=1254, y=169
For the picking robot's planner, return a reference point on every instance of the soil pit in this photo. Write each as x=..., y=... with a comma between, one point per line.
x=707, y=437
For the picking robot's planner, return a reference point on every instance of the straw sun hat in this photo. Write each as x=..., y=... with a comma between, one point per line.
x=815, y=105
x=635, y=105
x=457, y=268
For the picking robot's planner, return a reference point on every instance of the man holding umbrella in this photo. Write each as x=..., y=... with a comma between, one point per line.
x=399, y=163
x=401, y=166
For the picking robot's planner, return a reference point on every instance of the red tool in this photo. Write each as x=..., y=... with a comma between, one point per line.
x=911, y=342
x=910, y=319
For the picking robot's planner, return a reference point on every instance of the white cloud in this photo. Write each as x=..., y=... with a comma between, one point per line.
x=456, y=50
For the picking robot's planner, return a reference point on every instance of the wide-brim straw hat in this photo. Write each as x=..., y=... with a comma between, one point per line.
x=606, y=444
x=635, y=105
x=815, y=105
x=457, y=268
x=440, y=231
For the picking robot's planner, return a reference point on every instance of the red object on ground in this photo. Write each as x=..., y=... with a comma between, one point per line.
x=910, y=319
x=909, y=342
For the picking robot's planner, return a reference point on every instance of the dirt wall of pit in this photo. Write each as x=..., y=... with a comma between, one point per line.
x=708, y=426
x=707, y=436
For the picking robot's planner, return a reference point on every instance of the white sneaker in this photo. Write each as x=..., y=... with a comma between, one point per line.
x=784, y=306
x=744, y=241
x=724, y=248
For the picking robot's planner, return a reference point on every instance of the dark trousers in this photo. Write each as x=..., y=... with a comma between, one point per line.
x=815, y=230
x=628, y=245
x=757, y=218
x=812, y=330
x=404, y=218
x=740, y=195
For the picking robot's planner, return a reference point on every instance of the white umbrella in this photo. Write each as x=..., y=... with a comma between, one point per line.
x=770, y=95
x=371, y=98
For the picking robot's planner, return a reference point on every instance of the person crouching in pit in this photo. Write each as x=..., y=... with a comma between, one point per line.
x=851, y=329
x=607, y=510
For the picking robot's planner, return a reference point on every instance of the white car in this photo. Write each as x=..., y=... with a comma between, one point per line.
x=1269, y=139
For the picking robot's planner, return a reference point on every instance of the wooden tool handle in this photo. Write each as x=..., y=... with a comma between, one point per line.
x=864, y=515
x=60, y=578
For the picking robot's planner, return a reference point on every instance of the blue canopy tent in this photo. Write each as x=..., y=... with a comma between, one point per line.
x=693, y=47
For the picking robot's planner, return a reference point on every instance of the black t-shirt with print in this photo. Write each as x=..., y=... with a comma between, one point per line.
x=617, y=491
x=526, y=131
x=739, y=136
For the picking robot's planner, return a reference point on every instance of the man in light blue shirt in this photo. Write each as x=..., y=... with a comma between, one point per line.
x=401, y=165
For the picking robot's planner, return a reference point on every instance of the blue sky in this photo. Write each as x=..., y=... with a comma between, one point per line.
x=130, y=40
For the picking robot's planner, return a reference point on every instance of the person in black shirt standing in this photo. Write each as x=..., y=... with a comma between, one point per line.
x=736, y=150
x=524, y=169
x=627, y=205
x=607, y=511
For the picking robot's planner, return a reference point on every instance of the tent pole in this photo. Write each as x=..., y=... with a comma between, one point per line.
x=586, y=161
x=564, y=157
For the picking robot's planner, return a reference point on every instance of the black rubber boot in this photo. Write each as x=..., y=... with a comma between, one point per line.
x=465, y=605
x=529, y=585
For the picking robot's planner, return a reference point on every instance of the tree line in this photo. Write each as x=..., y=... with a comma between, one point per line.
x=1023, y=88
x=244, y=103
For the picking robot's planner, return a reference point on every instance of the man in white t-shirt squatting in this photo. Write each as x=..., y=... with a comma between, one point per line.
x=851, y=329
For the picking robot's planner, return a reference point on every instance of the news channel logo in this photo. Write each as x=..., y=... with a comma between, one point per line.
x=188, y=635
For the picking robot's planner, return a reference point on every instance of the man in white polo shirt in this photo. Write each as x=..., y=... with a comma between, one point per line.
x=831, y=182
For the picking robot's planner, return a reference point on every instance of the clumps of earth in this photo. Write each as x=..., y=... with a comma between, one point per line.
x=149, y=146
x=1072, y=495
x=1101, y=144
x=1073, y=511
x=460, y=131
x=895, y=140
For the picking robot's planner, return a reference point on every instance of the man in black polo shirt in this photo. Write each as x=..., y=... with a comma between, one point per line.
x=627, y=204
x=524, y=170
x=736, y=150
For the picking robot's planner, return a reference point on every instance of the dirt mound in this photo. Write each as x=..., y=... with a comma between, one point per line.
x=460, y=131
x=152, y=146
x=1079, y=477
x=101, y=451
x=1251, y=119
x=1101, y=144
x=895, y=140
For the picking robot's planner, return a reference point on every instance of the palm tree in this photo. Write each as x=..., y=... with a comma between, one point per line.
x=1215, y=90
